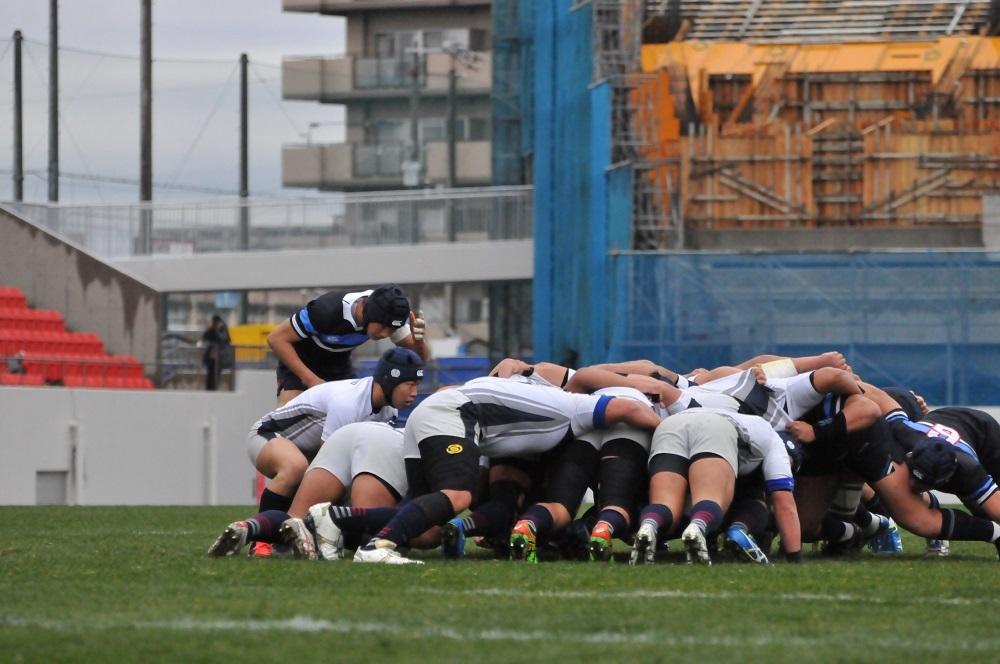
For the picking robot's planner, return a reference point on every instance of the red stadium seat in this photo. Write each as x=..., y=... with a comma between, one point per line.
x=53, y=354
x=21, y=379
x=12, y=297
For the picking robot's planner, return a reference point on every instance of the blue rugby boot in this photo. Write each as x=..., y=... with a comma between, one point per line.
x=453, y=539
x=742, y=545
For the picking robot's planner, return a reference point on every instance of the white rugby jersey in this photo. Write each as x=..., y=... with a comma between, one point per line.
x=338, y=402
x=626, y=392
x=760, y=446
x=769, y=401
x=697, y=397
x=536, y=378
x=516, y=416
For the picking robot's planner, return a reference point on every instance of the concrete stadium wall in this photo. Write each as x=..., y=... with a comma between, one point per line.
x=448, y=262
x=91, y=295
x=119, y=447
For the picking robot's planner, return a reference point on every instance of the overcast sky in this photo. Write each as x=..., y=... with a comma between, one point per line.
x=196, y=47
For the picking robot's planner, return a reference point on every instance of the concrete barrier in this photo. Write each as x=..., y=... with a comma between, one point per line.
x=120, y=447
x=92, y=296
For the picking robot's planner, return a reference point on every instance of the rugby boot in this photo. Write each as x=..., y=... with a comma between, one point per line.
x=874, y=543
x=297, y=537
x=453, y=539
x=851, y=546
x=940, y=548
x=644, y=546
x=574, y=541
x=523, y=543
x=600, y=548
x=695, y=545
x=328, y=536
x=742, y=545
x=887, y=539
x=382, y=552
x=231, y=540
x=260, y=550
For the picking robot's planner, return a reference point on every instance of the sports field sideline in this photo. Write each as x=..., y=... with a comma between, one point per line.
x=134, y=584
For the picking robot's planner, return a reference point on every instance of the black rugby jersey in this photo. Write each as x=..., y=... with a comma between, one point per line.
x=328, y=333
x=972, y=483
x=975, y=427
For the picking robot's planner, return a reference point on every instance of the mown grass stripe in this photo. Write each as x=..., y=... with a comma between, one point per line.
x=711, y=595
x=306, y=624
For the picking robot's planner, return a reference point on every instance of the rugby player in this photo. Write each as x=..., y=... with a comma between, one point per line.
x=574, y=469
x=959, y=465
x=283, y=442
x=315, y=344
x=703, y=451
x=363, y=460
x=493, y=417
x=868, y=453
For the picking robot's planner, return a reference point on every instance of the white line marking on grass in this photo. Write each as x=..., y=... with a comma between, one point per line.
x=308, y=624
x=711, y=596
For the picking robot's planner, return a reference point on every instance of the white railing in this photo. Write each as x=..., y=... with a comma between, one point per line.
x=343, y=220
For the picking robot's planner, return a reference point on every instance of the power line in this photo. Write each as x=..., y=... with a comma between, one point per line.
x=277, y=102
x=111, y=179
x=125, y=56
x=83, y=160
x=204, y=126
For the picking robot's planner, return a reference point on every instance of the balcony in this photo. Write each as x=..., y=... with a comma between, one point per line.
x=351, y=78
x=352, y=6
x=353, y=166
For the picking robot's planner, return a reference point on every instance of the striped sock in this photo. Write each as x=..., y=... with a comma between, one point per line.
x=263, y=527
x=539, y=519
x=706, y=515
x=362, y=519
x=658, y=516
x=614, y=520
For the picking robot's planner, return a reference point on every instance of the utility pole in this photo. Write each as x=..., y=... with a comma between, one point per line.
x=244, y=159
x=451, y=129
x=18, y=125
x=244, y=175
x=146, y=127
x=415, y=108
x=452, y=139
x=53, y=101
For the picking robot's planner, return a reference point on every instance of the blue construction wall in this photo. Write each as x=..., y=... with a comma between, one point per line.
x=926, y=320
x=577, y=192
x=929, y=321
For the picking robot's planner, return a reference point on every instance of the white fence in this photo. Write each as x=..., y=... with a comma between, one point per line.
x=343, y=220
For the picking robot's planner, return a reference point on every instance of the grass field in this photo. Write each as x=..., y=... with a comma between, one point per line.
x=134, y=584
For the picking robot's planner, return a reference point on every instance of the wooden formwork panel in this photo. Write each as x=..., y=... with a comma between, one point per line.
x=830, y=135
x=929, y=173
x=917, y=173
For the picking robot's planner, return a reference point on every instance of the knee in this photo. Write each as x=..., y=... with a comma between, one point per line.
x=293, y=467
x=460, y=500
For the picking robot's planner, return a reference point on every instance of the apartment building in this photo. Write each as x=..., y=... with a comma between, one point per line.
x=409, y=66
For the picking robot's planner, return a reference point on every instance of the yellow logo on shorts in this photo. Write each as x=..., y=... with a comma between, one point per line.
x=454, y=448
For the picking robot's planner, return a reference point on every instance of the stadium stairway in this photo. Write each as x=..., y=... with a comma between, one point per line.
x=37, y=349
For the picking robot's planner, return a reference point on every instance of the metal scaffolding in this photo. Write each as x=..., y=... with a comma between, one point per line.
x=635, y=102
